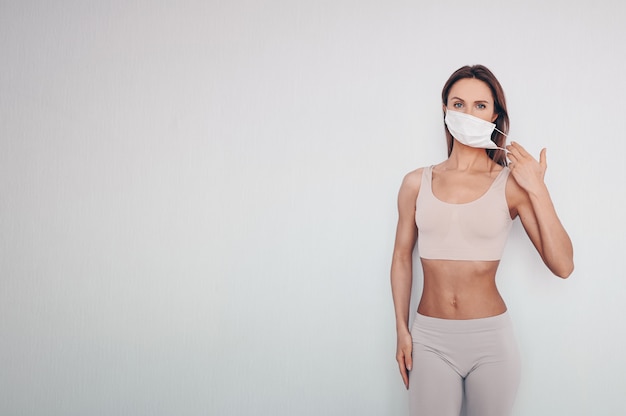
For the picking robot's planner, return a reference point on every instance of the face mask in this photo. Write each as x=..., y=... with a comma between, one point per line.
x=471, y=131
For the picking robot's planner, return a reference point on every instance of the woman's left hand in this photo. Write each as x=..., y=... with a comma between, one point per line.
x=526, y=170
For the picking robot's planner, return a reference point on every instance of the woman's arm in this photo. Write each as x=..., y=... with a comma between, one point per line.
x=537, y=213
x=402, y=268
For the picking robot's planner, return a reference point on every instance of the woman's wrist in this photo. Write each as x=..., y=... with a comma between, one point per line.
x=402, y=329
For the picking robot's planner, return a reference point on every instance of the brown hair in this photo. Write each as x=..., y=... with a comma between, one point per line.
x=481, y=73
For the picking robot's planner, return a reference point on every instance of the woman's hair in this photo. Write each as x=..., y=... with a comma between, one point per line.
x=481, y=73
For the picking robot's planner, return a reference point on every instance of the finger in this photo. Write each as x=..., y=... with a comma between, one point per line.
x=520, y=149
x=408, y=362
x=542, y=158
x=404, y=374
x=512, y=151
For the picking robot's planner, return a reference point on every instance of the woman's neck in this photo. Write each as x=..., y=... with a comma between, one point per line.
x=465, y=158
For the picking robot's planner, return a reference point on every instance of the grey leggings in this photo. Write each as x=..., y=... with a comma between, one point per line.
x=472, y=364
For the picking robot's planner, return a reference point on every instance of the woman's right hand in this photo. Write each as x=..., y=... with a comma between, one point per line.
x=403, y=355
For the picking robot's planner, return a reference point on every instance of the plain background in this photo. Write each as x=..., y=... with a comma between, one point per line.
x=198, y=199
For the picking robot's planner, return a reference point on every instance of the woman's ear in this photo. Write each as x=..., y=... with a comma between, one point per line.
x=494, y=118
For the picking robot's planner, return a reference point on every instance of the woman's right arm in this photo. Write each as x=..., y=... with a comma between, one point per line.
x=402, y=268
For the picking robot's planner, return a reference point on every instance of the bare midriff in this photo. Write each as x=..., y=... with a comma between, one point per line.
x=460, y=289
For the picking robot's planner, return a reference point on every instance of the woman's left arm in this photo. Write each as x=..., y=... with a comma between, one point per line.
x=537, y=213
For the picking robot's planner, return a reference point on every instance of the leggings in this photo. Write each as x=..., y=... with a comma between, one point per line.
x=470, y=364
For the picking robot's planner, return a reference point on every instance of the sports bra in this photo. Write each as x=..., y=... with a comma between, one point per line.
x=475, y=230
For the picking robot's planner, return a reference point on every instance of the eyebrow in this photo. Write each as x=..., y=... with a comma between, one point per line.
x=477, y=101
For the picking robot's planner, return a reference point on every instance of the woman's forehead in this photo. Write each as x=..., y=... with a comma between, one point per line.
x=470, y=88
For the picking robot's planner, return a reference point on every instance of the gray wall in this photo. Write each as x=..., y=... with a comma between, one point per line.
x=197, y=199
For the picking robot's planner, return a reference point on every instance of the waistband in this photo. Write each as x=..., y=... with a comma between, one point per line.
x=463, y=325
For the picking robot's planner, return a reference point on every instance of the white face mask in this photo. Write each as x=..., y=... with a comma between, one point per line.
x=471, y=131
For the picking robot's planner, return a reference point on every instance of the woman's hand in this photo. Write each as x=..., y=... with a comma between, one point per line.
x=526, y=170
x=403, y=355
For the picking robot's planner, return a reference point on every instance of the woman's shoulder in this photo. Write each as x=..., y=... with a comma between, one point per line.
x=414, y=178
x=515, y=194
x=412, y=181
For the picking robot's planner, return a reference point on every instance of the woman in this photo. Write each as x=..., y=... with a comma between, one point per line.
x=461, y=344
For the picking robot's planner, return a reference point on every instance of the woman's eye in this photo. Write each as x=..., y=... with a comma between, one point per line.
x=457, y=105
x=481, y=106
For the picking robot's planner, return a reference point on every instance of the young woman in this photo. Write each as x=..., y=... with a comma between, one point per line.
x=461, y=344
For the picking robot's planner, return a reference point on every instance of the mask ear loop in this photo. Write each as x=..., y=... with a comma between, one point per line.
x=505, y=135
x=505, y=151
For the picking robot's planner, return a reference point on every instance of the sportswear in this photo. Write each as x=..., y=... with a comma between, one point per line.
x=475, y=230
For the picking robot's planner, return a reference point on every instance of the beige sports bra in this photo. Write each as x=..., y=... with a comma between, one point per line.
x=475, y=230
